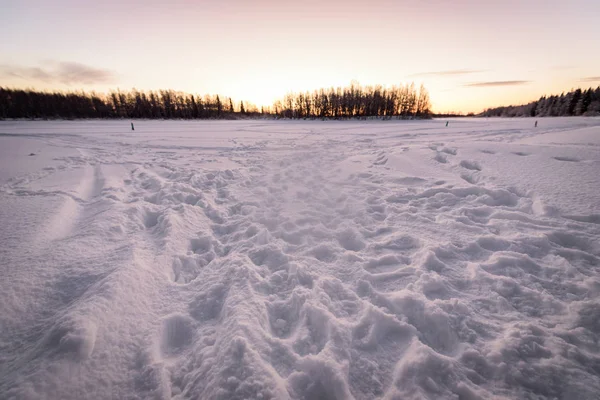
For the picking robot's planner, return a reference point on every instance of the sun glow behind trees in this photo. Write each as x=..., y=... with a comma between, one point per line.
x=353, y=101
x=357, y=101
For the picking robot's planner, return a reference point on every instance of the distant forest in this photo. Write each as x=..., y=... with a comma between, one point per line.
x=404, y=101
x=162, y=104
x=354, y=101
x=576, y=102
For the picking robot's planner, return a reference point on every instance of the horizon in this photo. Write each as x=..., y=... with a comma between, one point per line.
x=259, y=52
x=270, y=109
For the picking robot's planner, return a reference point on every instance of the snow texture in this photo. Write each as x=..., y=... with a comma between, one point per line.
x=302, y=260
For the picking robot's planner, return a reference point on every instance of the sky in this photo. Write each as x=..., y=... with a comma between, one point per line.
x=469, y=54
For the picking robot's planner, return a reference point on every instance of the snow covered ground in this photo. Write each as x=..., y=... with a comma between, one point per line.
x=300, y=259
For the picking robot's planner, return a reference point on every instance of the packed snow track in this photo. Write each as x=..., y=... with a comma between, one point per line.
x=300, y=259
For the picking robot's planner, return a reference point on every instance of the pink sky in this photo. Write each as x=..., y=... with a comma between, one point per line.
x=469, y=54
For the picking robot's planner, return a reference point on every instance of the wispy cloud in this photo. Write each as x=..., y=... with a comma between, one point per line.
x=67, y=73
x=591, y=79
x=562, y=67
x=496, y=83
x=451, y=72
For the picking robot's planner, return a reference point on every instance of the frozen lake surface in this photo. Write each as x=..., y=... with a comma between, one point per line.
x=300, y=259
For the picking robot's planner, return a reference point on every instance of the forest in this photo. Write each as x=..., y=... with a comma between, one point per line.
x=353, y=101
x=404, y=101
x=574, y=103
x=162, y=104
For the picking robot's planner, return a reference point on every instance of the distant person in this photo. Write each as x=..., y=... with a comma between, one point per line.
x=447, y=123
x=133, y=129
x=536, y=124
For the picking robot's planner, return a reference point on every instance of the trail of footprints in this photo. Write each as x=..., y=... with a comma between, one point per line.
x=281, y=252
x=296, y=275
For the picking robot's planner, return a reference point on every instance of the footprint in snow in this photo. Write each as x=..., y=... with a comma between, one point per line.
x=472, y=165
x=450, y=150
x=566, y=158
x=176, y=334
x=439, y=157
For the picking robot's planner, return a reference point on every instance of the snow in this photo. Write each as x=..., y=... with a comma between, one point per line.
x=300, y=259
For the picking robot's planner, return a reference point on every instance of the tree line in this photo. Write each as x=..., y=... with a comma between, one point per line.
x=162, y=104
x=356, y=101
x=352, y=101
x=574, y=103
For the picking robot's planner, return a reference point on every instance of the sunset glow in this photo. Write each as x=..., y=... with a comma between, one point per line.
x=469, y=54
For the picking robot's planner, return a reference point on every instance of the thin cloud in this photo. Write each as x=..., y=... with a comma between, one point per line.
x=496, y=83
x=75, y=73
x=67, y=73
x=562, y=67
x=452, y=72
x=590, y=79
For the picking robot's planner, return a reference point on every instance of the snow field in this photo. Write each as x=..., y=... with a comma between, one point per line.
x=303, y=260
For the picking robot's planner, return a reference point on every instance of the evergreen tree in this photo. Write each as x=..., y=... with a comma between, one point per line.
x=574, y=99
x=219, y=107
x=573, y=103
